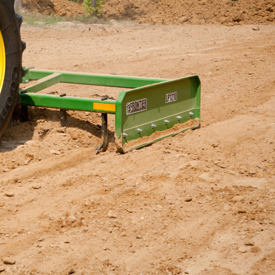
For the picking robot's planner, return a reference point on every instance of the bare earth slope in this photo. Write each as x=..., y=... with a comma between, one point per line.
x=176, y=12
x=199, y=203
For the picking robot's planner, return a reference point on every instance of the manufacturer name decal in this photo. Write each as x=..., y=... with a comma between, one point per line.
x=136, y=106
x=171, y=97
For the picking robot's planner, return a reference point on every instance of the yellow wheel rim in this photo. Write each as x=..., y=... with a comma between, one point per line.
x=2, y=61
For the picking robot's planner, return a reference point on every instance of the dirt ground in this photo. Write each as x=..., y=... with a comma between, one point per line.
x=199, y=203
x=180, y=12
x=176, y=12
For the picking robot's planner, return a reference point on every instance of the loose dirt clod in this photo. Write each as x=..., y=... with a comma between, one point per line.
x=9, y=260
x=10, y=194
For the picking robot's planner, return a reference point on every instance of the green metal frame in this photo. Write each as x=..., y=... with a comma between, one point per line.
x=159, y=114
x=150, y=105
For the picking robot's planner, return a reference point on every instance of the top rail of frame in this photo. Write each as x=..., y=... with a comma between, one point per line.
x=93, y=79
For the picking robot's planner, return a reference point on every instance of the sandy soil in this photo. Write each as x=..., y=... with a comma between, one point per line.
x=180, y=12
x=176, y=12
x=199, y=203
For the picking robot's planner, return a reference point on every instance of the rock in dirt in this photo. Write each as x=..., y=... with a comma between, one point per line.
x=2, y=204
x=111, y=214
x=9, y=194
x=183, y=19
x=188, y=199
x=2, y=268
x=249, y=243
x=36, y=186
x=9, y=260
x=71, y=271
x=241, y=211
x=42, y=132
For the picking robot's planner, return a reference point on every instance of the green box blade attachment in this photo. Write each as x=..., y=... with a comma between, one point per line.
x=152, y=110
x=148, y=114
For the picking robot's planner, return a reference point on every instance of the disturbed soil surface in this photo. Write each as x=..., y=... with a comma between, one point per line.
x=199, y=203
x=179, y=12
x=54, y=7
x=176, y=12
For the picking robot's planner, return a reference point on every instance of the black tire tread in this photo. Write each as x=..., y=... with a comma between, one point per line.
x=10, y=24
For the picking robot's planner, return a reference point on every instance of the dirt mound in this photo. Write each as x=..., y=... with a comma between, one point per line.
x=192, y=11
x=54, y=7
x=173, y=12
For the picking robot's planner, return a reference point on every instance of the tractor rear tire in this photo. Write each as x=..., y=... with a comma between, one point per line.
x=11, y=49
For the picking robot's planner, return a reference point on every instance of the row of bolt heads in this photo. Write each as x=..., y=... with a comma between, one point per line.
x=154, y=125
